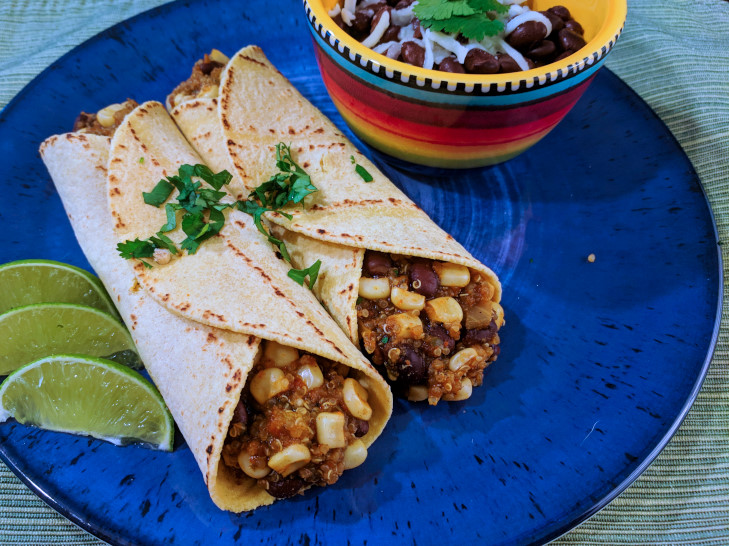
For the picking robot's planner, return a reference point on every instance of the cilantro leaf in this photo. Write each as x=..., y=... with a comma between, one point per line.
x=159, y=193
x=171, y=211
x=475, y=27
x=487, y=5
x=162, y=241
x=217, y=181
x=352, y=160
x=366, y=176
x=136, y=249
x=442, y=9
x=300, y=274
x=291, y=185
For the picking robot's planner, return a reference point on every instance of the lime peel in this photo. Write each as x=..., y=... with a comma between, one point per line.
x=90, y=396
x=43, y=281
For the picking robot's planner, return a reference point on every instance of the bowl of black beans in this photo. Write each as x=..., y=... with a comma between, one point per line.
x=459, y=83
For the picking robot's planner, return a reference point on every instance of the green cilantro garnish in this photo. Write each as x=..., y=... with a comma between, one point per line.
x=159, y=194
x=203, y=212
x=300, y=274
x=256, y=210
x=141, y=160
x=366, y=176
x=473, y=19
x=291, y=185
x=384, y=340
x=136, y=249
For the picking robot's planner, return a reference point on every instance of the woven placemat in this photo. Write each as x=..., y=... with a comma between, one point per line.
x=675, y=54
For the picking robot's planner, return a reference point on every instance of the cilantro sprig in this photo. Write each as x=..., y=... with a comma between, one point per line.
x=473, y=19
x=290, y=185
x=300, y=274
x=202, y=216
x=364, y=173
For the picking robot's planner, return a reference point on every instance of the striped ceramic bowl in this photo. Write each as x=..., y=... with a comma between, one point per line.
x=451, y=120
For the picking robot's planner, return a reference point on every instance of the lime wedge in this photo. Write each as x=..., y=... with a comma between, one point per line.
x=43, y=329
x=89, y=396
x=40, y=281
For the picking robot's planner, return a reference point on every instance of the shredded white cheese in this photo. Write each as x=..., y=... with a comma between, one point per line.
x=378, y=31
x=404, y=16
x=528, y=16
x=428, y=61
x=348, y=11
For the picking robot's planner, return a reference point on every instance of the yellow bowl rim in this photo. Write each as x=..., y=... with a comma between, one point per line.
x=598, y=47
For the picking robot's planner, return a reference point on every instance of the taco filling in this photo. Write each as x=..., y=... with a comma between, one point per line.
x=298, y=423
x=204, y=82
x=432, y=326
x=105, y=121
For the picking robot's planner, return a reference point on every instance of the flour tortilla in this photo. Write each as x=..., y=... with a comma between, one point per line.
x=258, y=108
x=199, y=369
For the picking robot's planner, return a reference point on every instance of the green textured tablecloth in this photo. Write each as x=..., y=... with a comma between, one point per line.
x=675, y=54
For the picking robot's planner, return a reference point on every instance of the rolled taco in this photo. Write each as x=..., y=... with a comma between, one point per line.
x=270, y=396
x=417, y=303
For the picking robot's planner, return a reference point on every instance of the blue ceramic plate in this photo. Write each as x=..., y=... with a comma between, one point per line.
x=600, y=361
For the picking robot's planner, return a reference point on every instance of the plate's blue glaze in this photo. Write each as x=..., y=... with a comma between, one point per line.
x=600, y=360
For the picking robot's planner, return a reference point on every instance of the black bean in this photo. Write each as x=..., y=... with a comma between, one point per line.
x=556, y=20
x=206, y=67
x=378, y=16
x=561, y=12
x=363, y=427
x=83, y=120
x=377, y=263
x=480, y=336
x=418, y=33
x=451, y=64
x=392, y=34
x=402, y=4
x=436, y=330
x=240, y=415
x=507, y=63
x=570, y=40
x=286, y=487
x=361, y=23
x=411, y=368
x=423, y=279
x=412, y=53
x=526, y=35
x=373, y=8
x=461, y=39
x=563, y=55
x=542, y=50
x=574, y=26
x=479, y=61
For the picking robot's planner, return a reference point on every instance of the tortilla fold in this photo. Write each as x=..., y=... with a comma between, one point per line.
x=198, y=321
x=257, y=108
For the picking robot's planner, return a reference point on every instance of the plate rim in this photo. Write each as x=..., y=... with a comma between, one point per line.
x=101, y=533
